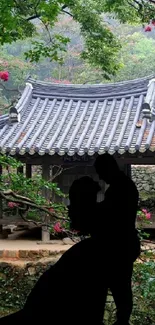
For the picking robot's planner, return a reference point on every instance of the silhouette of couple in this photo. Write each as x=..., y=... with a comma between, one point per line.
x=74, y=290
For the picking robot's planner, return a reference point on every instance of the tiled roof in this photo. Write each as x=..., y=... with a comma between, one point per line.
x=81, y=119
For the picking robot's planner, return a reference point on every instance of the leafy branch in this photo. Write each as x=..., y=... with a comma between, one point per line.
x=51, y=214
x=9, y=195
x=63, y=9
x=23, y=204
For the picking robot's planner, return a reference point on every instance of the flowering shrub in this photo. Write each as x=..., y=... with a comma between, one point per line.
x=148, y=28
x=153, y=22
x=34, y=207
x=143, y=218
x=4, y=75
x=61, y=227
x=143, y=215
x=57, y=227
x=12, y=205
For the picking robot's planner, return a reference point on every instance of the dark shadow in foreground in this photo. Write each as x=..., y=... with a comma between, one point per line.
x=74, y=290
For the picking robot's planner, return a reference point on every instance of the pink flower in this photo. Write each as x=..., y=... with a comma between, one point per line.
x=144, y=210
x=148, y=28
x=4, y=75
x=148, y=215
x=57, y=227
x=12, y=204
x=51, y=210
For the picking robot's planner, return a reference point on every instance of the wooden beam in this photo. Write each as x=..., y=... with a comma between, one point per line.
x=146, y=158
x=28, y=171
x=137, y=161
x=46, y=194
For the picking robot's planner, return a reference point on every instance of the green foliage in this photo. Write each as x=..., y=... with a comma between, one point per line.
x=17, y=282
x=144, y=293
x=143, y=287
x=137, y=57
x=15, y=285
x=101, y=46
x=53, y=52
x=8, y=161
x=123, y=11
x=143, y=217
x=18, y=70
x=33, y=187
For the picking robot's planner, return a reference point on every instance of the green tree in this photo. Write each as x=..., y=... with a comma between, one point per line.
x=19, y=20
x=137, y=57
x=18, y=70
x=34, y=207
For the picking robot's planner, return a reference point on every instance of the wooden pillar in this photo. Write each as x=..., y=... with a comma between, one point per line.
x=129, y=171
x=20, y=170
x=28, y=171
x=46, y=194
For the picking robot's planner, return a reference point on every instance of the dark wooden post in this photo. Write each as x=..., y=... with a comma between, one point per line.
x=28, y=171
x=129, y=171
x=20, y=170
x=46, y=193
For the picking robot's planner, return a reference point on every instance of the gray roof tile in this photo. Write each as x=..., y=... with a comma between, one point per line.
x=81, y=119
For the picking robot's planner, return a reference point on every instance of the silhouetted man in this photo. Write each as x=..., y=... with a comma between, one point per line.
x=117, y=216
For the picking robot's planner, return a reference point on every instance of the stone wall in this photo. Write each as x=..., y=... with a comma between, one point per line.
x=144, y=177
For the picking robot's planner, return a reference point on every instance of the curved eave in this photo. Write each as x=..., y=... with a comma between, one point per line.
x=79, y=153
x=86, y=92
x=79, y=120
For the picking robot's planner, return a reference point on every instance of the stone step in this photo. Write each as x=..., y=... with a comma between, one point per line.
x=30, y=254
x=32, y=250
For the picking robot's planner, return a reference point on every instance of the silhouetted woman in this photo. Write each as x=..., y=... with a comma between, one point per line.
x=72, y=290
